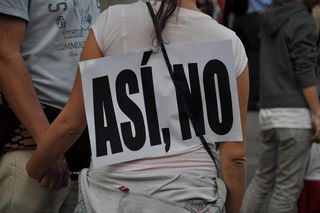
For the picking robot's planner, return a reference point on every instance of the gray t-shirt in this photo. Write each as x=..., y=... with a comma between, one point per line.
x=55, y=35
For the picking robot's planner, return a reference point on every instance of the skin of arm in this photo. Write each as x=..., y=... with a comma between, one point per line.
x=311, y=95
x=233, y=154
x=15, y=81
x=68, y=126
x=17, y=87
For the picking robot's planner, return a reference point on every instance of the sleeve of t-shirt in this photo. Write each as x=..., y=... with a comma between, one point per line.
x=17, y=8
x=240, y=56
x=101, y=30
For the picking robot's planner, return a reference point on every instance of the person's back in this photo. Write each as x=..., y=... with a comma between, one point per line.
x=134, y=32
x=284, y=27
x=166, y=180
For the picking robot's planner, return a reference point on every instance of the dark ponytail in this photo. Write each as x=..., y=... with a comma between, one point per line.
x=167, y=7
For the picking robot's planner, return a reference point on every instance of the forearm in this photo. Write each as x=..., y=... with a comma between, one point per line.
x=16, y=86
x=58, y=139
x=233, y=154
x=15, y=80
x=235, y=181
x=311, y=95
x=61, y=134
x=68, y=126
x=234, y=175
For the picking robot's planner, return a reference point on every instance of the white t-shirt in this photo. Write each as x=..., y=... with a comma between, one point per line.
x=299, y=118
x=126, y=28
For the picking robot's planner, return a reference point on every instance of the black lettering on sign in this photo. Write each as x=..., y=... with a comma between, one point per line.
x=214, y=90
x=193, y=98
x=166, y=138
x=150, y=105
x=103, y=109
x=128, y=107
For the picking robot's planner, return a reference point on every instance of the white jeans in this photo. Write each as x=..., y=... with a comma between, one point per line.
x=20, y=193
x=154, y=192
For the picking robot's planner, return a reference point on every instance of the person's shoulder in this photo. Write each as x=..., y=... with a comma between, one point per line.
x=223, y=30
x=303, y=15
x=303, y=19
x=132, y=7
x=227, y=31
x=115, y=13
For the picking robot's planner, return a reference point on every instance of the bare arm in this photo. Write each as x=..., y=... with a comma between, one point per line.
x=233, y=154
x=311, y=95
x=68, y=126
x=17, y=87
x=15, y=81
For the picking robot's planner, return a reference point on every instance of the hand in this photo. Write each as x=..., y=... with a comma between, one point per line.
x=316, y=124
x=55, y=177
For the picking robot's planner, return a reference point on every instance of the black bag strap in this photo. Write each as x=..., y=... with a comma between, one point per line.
x=179, y=90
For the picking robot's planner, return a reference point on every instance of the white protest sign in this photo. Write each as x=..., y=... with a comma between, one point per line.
x=131, y=104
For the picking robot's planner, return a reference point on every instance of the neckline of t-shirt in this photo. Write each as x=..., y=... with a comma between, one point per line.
x=181, y=10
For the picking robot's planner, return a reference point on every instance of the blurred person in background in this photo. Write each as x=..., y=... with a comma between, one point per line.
x=245, y=22
x=309, y=200
x=213, y=8
x=290, y=111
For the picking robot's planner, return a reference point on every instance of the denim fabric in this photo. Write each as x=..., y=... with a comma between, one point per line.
x=283, y=157
x=150, y=192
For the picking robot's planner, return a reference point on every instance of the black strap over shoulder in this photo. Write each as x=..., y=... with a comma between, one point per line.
x=179, y=89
